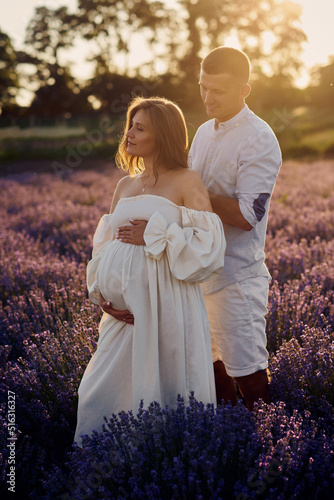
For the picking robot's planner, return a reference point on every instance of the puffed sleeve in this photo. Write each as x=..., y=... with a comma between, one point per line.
x=102, y=237
x=195, y=251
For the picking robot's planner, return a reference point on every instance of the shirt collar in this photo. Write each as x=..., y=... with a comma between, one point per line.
x=232, y=122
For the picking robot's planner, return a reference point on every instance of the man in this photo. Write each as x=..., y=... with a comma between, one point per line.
x=238, y=157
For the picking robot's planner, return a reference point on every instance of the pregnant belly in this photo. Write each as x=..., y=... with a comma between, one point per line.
x=120, y=267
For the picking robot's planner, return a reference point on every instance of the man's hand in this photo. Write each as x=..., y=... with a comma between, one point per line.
x=125, y=315
x=133, y=234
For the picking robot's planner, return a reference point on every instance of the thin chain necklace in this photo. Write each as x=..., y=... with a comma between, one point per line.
x=144, y=185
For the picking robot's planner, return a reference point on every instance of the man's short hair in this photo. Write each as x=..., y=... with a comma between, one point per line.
x=227, y=60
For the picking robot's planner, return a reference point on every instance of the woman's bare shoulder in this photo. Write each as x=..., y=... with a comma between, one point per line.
x=195, y=194
x=124, y=181
x=121, y=187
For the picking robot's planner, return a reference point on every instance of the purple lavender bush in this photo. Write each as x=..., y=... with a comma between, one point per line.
x=48, y=332
x=200, y=452
x=303, y=376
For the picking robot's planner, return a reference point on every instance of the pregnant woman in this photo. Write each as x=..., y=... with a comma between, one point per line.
x=155, y=344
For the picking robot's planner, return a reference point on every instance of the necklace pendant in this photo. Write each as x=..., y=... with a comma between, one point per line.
x=143, y=190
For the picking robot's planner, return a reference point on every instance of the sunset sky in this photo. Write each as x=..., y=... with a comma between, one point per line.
x=317, y=21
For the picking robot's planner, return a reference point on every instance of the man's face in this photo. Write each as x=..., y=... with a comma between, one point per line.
x=223, y=95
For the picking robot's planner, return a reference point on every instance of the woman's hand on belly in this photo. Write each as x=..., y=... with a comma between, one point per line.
x=133, y=234
x=125, y=315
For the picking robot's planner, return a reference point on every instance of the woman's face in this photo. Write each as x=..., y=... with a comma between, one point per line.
x=141, y=139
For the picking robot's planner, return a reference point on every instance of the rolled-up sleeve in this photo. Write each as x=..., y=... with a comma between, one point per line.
x=259, y=164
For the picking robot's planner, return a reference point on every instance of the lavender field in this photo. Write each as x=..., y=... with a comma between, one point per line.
x=48, y=331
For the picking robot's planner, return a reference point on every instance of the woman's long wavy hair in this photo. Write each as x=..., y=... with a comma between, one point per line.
x=170, y=132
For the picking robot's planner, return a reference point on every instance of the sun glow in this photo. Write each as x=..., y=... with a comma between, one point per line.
x=317, y=22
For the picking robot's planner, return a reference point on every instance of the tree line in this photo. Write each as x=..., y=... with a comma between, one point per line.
x=176, y=39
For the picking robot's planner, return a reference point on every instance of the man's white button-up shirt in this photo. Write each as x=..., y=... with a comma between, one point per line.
x=239, y=159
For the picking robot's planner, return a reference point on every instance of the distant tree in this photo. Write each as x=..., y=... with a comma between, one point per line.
x=9, y=82
x=284, y=57
x=109, y=25
x=321, y=92
x=112, y=24
x=275, y=92
x=59, y=97
x=111, y=92
x=178, y=38
x=267, y=31
x=50, y=32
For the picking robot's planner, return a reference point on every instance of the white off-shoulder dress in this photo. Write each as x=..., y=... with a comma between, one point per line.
x=168, y=349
